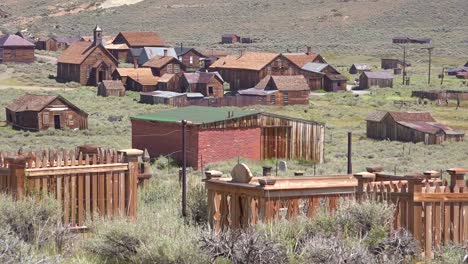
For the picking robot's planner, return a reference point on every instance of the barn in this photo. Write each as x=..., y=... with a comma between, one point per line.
x=111, y=88
x=218, y=134
x=41, y=112
x=87, y=63
x=409, y=127
x=358, y=68
x=380, y=79
x=16, y=49
x=210, y=84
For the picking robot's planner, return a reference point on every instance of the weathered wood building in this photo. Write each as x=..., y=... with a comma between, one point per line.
x=388, y=64
x=16, y=49
x=380, y=79
x=111, y=88
x=161, y=65
x=409, y=127
x=56, y=43
x=219, y=134
x=87, y=63
x=41, y=112
x=192, y=59
x=210, y=84
x=358, y=68
x=164, y=97
x=230, y=38
x=324, y=76
x=124, y=41
x=441, y=94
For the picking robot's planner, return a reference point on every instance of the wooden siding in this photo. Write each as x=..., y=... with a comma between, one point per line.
x=366, y=83
x=17, y=54
x=192, y=64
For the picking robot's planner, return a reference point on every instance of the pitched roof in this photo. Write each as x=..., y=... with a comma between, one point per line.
x=116, y=46
x=430, y=127
x=159, y=61
x=336, y=77
x=255, y=91
x=14, y=41
x=315, y=67
x=163, y=94
x=248, y=60
x=196, y=114
x=361, y=66
x=201, y=77
x=112, y=85
x=180, y=51
x=167, y=77
x=143, y=39
x=145, y=79
x=378, y=75
x=284, y=83
x=217, y=53
x=409, y=116
x=376, y=116
x=132, y=72
x=36, y=102
x=79, y=51
x=301, y=59
x=148, y=53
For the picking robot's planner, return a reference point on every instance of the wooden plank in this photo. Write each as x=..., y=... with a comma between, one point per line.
x=115, y=193
x=109, y=189
x=447, y=220
x=464, y=217
x=455, y=218
x=94, y=187
x=81, y=201
x=122, y=193
x=66, y=199
x=437, y=221
x=441, y=197
x=87, y=190
x=428, y=227
x=76, y=170
x=101, y=188
x=73, y=192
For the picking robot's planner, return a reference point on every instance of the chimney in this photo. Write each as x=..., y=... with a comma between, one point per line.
x=181, y=46
x=309, y=50
x=165, y=52
x=97, y=36
x=135, y=62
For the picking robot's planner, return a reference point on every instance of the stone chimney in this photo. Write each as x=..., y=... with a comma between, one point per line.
x=309, y=50
x=97, y=36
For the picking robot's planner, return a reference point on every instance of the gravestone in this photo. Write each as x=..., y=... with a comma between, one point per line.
x=283, y=166
x=241, y=173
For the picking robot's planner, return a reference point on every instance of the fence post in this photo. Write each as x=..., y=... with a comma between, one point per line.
x=362, y=177
x=17, y=166
x=415, y=185
x=456, y=178
x=131, y=156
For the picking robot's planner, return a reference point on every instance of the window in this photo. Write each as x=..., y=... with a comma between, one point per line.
x=176, y=68
x=273, y=99
x=191, y=60
x=169, y=68
x=285, y=97
x=45, y=118
x=210, y=90
x=88, y=71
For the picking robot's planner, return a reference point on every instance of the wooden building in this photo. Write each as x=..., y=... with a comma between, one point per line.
x=164, y=97
x=246, y=70
x=358, y=68
x=457, y=70
x=380, y=79
x=387, y=64
x=191, y=58
x=124, y=41
x=409, y=127
x=170, y=82
x=147, y=53
x=41, y=112
x=230, y=38
x=210, y=56
x=136, y=79
x=111, y=88
x=122, y=74
x=16, y=49
x=441, y=95
x=210, y=84
x=220, y=134
x=56, y=43
x=87, y=63
x=161, y=65
x=301, y=59
x=324, y=76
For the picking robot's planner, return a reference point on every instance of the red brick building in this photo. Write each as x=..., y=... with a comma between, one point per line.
x=219, y=134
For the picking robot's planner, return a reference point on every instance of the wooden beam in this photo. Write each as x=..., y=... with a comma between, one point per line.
x=4, y=172
x=52, y=171
x=441, y=197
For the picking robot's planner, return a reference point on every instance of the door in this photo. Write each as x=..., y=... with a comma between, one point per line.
x=57, y=124
x=101, y=76
x=276, y=142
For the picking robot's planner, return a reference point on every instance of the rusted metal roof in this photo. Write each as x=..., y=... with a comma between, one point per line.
x=79, y=51
x=142, y=39
x=159, y=61
x=248, y=61
x=36, y=102
x=201, y=77
x=379, y=115
x=112, y=85
x=430, y=127
x=378, y=75
x=283, y=83
x=301, y=59
x=257, y=92
x=14, y=41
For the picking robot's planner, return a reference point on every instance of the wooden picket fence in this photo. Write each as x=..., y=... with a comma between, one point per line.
x=435, y=211
x=102, y=184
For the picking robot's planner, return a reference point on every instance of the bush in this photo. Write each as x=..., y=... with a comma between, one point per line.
x=197, y=203
x=246, y=246
x=399, y=247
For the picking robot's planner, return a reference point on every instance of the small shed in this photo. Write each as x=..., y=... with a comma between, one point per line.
x=358, y=68
x=409, y=127
x=387, y=64
x=246, y=40
x=41, y=112
x=210, y=84
x=230, y=38
x=16, y=49
x=111, y=88
x=380, y=79
x=163, y=97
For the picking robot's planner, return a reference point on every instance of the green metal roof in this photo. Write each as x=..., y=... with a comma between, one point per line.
x=196, y=114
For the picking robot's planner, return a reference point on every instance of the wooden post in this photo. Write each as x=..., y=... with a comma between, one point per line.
x=456, y=178
x=130, y=156
x=415, y=210
x=17, y=167
x=362, y=177
x=350, y=165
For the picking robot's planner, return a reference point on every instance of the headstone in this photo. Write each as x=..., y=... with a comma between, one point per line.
x=283, y=166
x=241, y=173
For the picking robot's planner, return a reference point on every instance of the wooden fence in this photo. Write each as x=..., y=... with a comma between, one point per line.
x=435, y=211
x=103, y=184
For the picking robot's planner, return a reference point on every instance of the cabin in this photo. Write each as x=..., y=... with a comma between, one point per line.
x=87, y=63
x=191, y=58
x=34, y=112
x=161, y=65
x=217, y=134
x=230, y=38
x=409, y=127
x=55, y=44
x=246, y=70
x=301, y=59
x=324, y=76
x=380, y=79
x=210, y=84
x=123, y=74
x=141, y=82
x=387, y=64
x=358, y=68
x=111, y=88
x=147, y=53
x=124, y=41
x=164, y=97
x=210, y=56
x=246, y=40
x=16, y=49
x=170, y=82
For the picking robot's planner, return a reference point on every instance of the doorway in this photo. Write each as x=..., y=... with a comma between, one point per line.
x=100, y=76
x=57, y=124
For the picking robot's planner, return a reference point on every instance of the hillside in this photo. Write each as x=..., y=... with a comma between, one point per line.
x=350, y=26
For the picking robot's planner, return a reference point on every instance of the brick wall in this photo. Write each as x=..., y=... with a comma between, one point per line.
x=224, y=144
x=164, y=138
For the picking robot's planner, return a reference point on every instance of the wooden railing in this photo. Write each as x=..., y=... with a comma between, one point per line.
x=434, y=210
x=103, y=184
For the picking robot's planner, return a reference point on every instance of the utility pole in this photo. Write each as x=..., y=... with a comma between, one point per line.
x=429, y=49
x=350, y=165
x=184, y=170
x=404, y=64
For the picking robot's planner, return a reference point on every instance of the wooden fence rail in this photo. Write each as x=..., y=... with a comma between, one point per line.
x=103, y=183
x=434, y=210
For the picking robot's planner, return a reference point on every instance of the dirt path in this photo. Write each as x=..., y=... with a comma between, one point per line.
x=115, y=3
